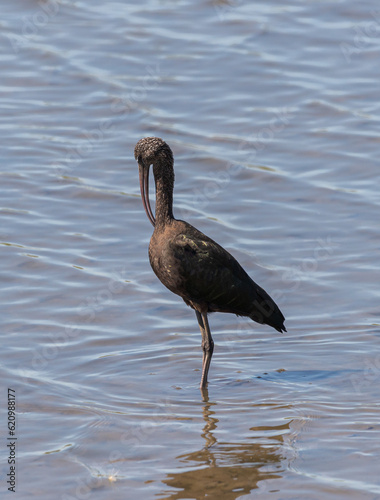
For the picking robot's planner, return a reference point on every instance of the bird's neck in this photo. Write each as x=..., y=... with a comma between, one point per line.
x=164, y=195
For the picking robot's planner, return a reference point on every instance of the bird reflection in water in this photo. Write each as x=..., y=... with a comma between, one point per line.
x=227, y=471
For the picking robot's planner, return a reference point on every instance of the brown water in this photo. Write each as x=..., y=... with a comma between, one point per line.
x=272, y=112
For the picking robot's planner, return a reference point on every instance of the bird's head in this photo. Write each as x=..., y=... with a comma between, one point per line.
x=152, y=149
x=148, y=151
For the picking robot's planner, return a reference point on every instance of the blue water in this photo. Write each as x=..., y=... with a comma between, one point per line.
x=272, y=113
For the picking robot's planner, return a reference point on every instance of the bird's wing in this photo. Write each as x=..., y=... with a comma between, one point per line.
x=207, y=273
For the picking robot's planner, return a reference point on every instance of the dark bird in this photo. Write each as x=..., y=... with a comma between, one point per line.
x=190, y=263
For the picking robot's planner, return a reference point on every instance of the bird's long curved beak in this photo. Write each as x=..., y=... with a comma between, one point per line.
x=144, y=188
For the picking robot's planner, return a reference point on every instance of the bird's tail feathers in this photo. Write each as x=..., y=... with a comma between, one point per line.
x=268, y=313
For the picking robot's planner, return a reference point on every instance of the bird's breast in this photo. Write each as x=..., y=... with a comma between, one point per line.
x=162, y=259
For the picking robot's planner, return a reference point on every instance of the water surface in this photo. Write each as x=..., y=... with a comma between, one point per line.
x=272, y=112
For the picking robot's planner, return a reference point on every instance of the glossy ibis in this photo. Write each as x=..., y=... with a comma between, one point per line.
x=190, y=263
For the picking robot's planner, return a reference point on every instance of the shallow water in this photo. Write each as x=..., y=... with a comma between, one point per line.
x=273, y=116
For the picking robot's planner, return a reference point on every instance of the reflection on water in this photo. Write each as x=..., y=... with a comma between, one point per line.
x=227, y=470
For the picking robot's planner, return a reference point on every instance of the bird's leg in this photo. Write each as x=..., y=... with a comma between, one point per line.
x=203, y=332
x=207, y=346
x=208, y=349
